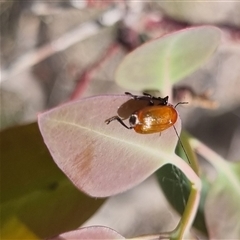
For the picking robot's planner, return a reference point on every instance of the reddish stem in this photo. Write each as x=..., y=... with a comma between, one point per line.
x=86, y=76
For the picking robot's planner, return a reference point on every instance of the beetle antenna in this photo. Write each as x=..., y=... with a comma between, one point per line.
x=182, y=145
x=180, y=103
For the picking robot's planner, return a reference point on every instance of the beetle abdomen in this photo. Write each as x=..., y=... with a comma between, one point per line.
x=155, y=119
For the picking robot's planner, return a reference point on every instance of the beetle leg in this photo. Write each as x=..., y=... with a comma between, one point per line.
x=133, y=96
x=118, y=119
x=150, y=98
x=146, y=97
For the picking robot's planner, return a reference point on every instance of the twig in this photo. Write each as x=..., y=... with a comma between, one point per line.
x=80, y=33
x=86, y=76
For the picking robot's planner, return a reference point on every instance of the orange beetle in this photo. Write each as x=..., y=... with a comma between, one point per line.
x=157, y=117
x=153, y=119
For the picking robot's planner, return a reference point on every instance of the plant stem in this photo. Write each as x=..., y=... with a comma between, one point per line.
x=80, y=33
x=147, y=237
x=188, y=215
x=193, y=201
x=190, y=211
x=212, y=157
x=219, y=163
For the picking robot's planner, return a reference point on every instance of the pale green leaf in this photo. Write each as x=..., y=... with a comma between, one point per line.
x=166, y=60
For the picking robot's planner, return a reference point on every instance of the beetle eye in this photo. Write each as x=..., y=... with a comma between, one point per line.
x=133, y=120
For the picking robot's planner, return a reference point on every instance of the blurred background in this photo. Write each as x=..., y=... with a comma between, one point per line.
x=57, y=51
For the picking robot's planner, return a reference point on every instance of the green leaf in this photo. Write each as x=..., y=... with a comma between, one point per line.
x=103, y=159
x=222, y=204
x=176, y=188
x=167, y=60
x=37, y=200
